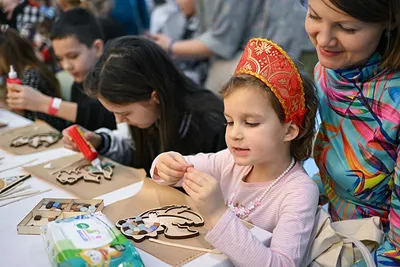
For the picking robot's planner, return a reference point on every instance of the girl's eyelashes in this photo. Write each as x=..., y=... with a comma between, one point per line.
x=73, y=56
x=249, y=124
x=252, y=124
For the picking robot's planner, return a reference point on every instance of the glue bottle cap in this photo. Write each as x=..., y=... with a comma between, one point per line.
x=12, y=74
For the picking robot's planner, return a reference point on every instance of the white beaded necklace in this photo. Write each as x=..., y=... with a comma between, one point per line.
x=242, y=212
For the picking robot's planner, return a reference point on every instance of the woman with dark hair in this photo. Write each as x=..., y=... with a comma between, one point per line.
x=19, y=52
x=358, y=81
x=136, y=80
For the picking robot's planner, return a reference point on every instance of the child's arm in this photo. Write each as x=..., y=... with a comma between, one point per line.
x=26, y=97
x=89, y=113
x=67, y=111
x=116, y=147
x=290, y=236
x=168, y=168
x=107, y=143
x=32, y=78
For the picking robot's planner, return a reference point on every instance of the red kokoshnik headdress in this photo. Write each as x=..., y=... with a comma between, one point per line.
x=268, y=62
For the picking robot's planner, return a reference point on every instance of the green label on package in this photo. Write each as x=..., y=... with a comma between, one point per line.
x=88, y=240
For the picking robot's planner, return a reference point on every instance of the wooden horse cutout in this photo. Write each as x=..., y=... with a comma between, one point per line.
x=174, y=221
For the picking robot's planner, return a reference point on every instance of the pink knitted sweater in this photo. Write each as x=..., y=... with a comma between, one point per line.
x=287, y=211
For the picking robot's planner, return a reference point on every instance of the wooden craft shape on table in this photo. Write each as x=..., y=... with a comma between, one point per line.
x=174, y=221
x=86, y=172
x=35, y=141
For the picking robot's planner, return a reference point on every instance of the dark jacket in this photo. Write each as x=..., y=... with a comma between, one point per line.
x=197, y=133
x=91, y=114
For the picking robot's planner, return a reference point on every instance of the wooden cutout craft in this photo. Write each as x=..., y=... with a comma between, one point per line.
x=106, y=172
x=86, y=172
x=20, y=141
x=35, y=141
x=174, y=221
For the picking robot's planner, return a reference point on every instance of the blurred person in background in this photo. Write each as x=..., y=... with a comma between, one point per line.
x=226, y=26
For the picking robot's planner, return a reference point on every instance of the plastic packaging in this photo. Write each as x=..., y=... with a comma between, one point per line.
x=88, y=240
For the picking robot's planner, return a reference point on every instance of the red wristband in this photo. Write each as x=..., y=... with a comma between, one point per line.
x=54, y=106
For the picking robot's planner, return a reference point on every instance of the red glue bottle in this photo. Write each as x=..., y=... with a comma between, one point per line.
x=12, y=77
x=88, y=151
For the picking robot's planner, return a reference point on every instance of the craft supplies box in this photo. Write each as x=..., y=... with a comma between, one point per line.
x=50, y=209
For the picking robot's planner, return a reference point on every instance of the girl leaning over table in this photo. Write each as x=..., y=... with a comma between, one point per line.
x=138, y=82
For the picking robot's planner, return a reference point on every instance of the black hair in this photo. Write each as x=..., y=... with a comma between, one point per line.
x=78, y=23
x=132, y=68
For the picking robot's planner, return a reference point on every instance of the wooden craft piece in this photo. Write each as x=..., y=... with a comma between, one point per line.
x=107, y=171
x=36, y=141
x=174, y=221
x=69, y=177
x=20, y=141
x=86, y=172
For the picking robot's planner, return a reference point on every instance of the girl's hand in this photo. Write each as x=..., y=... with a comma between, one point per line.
x=91, y=137
x=26, y=98
x=171, y=167
x=206, y=193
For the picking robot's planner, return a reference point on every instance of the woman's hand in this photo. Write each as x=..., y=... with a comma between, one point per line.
x=91, y=137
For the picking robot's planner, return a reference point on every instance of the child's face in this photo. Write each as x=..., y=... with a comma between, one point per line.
x=141, y=114
x=75, y=57
x=254, y=133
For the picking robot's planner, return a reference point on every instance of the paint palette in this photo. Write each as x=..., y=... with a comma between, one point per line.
x=50, y=209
